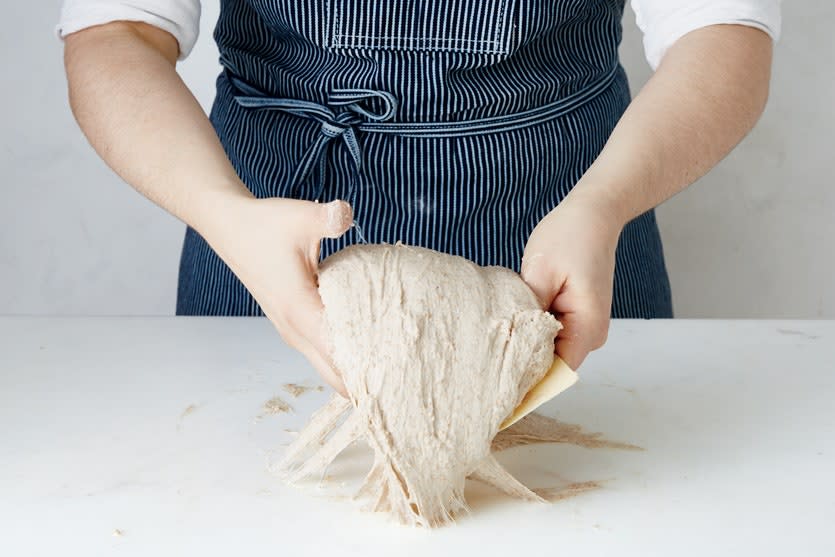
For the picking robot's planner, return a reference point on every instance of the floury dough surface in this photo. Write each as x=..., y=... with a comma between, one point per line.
x=435, y=352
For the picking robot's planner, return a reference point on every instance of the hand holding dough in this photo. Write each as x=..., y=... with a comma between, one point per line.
x=435, y=352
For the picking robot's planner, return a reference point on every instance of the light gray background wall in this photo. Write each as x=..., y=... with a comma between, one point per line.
x=752, y=239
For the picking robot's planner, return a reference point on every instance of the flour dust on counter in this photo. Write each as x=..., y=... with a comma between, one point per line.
x=296, y=390
x=536, y=428
x=554, y=494
x=435, y=352
x=276, y=405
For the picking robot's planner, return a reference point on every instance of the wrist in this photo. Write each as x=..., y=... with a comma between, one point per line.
x=218, y=213
x=600, y=207
x=617, y=186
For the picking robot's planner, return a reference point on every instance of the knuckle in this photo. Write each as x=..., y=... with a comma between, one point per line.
x=601, y=333
x=602, y=338
x=596, y=325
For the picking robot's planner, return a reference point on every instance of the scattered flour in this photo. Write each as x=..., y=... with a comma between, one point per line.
x=535, y=428
x=296, y=390
x=554, y=494
x=276, y=405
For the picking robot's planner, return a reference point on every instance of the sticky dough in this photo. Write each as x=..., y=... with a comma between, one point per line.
x=435, y=352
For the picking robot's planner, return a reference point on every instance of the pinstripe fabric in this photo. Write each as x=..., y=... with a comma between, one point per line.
x=449, y=124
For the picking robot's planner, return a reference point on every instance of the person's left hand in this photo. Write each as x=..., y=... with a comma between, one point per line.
x=569, y=263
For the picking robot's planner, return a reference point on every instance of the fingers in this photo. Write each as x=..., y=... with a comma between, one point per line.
x=586, y=328
x=314, y=221
x=571, y=346
x=299, y=330
x=584, y=318
x=323, y=366
x=539, y=279
x=311, y=221
x=337, y=219
x=571, y=353
x=306, y=319
x=306, y=316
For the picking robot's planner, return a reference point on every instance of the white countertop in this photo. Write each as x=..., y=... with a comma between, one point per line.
x=737, y=419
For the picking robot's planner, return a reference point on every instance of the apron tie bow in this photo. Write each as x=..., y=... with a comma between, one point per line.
x=345, y=109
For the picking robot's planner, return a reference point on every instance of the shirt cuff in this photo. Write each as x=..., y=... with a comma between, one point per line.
x=662, y=30
x=183, y=22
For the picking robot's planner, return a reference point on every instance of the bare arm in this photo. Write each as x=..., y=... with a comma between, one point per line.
x=707, y=93
x=144, y=122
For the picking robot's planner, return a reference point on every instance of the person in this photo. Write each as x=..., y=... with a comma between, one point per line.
x=499, y=130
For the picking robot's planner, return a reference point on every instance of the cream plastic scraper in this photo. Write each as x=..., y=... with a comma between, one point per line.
x=559, y=378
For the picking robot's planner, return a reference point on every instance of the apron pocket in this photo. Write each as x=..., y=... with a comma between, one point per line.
x=421, y=25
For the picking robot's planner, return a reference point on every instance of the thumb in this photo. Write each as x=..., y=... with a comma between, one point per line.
x=311, y=221
x=327, y=220
x=535, y=274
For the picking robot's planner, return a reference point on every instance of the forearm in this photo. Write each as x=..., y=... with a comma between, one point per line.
x=708, y=92
x=145, y=123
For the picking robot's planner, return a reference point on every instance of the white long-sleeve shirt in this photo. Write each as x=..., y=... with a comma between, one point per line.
x=662, y=22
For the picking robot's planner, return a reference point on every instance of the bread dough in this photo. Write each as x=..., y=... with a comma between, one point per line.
x=435, y=352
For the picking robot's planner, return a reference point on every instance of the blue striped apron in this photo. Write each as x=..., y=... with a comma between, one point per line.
x=449, y=124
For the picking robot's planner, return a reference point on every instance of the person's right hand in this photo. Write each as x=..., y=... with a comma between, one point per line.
x=272, y=245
